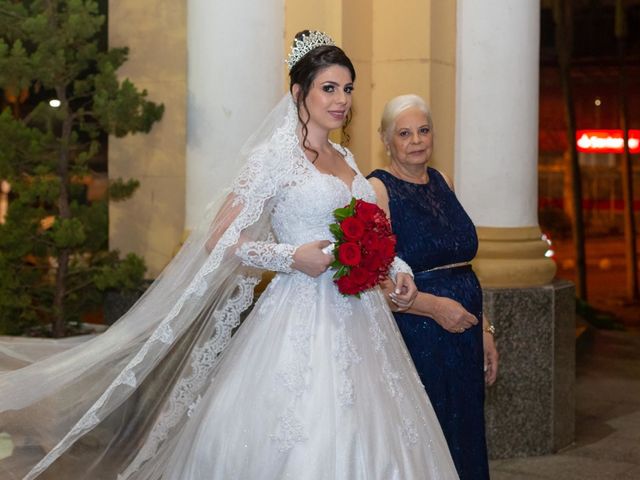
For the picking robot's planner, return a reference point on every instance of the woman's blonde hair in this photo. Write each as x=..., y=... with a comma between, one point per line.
x=395, y=107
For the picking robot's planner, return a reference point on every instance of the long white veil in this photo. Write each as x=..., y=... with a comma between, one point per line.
x=112, y=406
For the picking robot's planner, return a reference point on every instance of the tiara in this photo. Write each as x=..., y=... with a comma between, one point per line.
x=307, y=43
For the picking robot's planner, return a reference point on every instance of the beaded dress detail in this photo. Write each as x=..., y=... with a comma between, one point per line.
x=433, y=230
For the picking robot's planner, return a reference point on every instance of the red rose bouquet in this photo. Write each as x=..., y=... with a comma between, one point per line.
x=364, y=247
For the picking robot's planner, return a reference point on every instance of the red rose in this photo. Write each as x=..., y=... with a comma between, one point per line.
x=359, y=276
x=388, y=247
x=382, y=224
x=349, y=254
x=346, y=286
x=366, y=211
x=372, y=262
x=370, y=241
x=353, y=228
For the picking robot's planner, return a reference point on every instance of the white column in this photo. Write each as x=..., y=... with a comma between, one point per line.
x=235, y=77
x=497, y=111
x=496, y=147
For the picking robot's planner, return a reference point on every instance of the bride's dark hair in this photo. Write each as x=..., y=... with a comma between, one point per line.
x=304, y=73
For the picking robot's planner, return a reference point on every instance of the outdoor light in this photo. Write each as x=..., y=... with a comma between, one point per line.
x=55, y=103
x=606, y=141
x=550, y=252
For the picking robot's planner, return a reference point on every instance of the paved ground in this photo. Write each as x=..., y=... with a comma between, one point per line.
x=606, y=276
x=607, y=442
x=607, y=417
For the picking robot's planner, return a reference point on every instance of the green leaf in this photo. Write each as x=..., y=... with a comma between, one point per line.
x=121, y=190
x=345, y=212
x=341, y=213
x=126, y=274
x=336, y=231
x=68, y=233
x=342, y=271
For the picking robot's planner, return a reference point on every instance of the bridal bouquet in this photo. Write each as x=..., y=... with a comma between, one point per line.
x=364, y=247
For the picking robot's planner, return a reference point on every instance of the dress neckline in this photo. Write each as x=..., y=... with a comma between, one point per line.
x=343, y=154
x=429, y=181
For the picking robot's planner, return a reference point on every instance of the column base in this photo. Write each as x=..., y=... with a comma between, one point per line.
x=531, y=408
x=512, y=258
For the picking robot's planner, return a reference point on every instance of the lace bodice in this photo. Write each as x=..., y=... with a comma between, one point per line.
x=431, y=225
x=302, y=211
x=303, y=207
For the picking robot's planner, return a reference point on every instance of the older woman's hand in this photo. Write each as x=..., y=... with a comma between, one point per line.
x=490, y=358
x=452, y=316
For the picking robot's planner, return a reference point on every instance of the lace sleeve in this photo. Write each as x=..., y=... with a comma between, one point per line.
x=276, y=257
x=399, y=266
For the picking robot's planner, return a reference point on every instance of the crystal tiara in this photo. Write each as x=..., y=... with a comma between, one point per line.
x=308, y=42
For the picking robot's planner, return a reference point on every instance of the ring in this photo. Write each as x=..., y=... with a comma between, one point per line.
x=461, y=329
x=328, y=250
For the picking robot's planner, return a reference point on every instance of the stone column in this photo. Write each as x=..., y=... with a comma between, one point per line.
x=496, y=148
x=530, y=410
x=235, y=77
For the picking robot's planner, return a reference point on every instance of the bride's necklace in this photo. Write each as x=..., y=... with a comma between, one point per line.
x=423, y=178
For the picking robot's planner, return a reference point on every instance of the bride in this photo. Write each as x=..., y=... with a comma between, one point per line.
x=312, y=385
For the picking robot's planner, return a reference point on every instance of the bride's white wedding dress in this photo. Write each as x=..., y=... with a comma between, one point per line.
x=312, y=385
x=320, y=385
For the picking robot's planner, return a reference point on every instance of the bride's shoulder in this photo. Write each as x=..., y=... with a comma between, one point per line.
x=341, y=148
x=346, y=153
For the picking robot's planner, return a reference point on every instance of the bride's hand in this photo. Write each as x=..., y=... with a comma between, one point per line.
x=310, y=259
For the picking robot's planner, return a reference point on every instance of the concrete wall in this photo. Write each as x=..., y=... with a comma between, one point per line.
x=151, y=223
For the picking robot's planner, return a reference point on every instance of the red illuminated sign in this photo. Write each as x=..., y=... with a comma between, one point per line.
x=606, y=141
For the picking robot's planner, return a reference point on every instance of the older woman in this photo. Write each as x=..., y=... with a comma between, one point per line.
x=451, y=344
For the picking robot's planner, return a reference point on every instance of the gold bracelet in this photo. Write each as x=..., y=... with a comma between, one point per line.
x=490, y=329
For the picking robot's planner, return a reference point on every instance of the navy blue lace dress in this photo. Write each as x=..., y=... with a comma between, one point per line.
x=433, y=230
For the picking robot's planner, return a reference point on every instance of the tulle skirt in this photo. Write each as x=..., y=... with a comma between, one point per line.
x=314, y=386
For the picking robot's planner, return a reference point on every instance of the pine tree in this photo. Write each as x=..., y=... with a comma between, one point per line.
x=54, y=259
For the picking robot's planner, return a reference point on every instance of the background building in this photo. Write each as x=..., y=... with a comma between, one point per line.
x=596, y=83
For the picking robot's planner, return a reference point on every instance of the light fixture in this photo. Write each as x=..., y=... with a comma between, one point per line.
x=598, y=102
x=54, y=103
